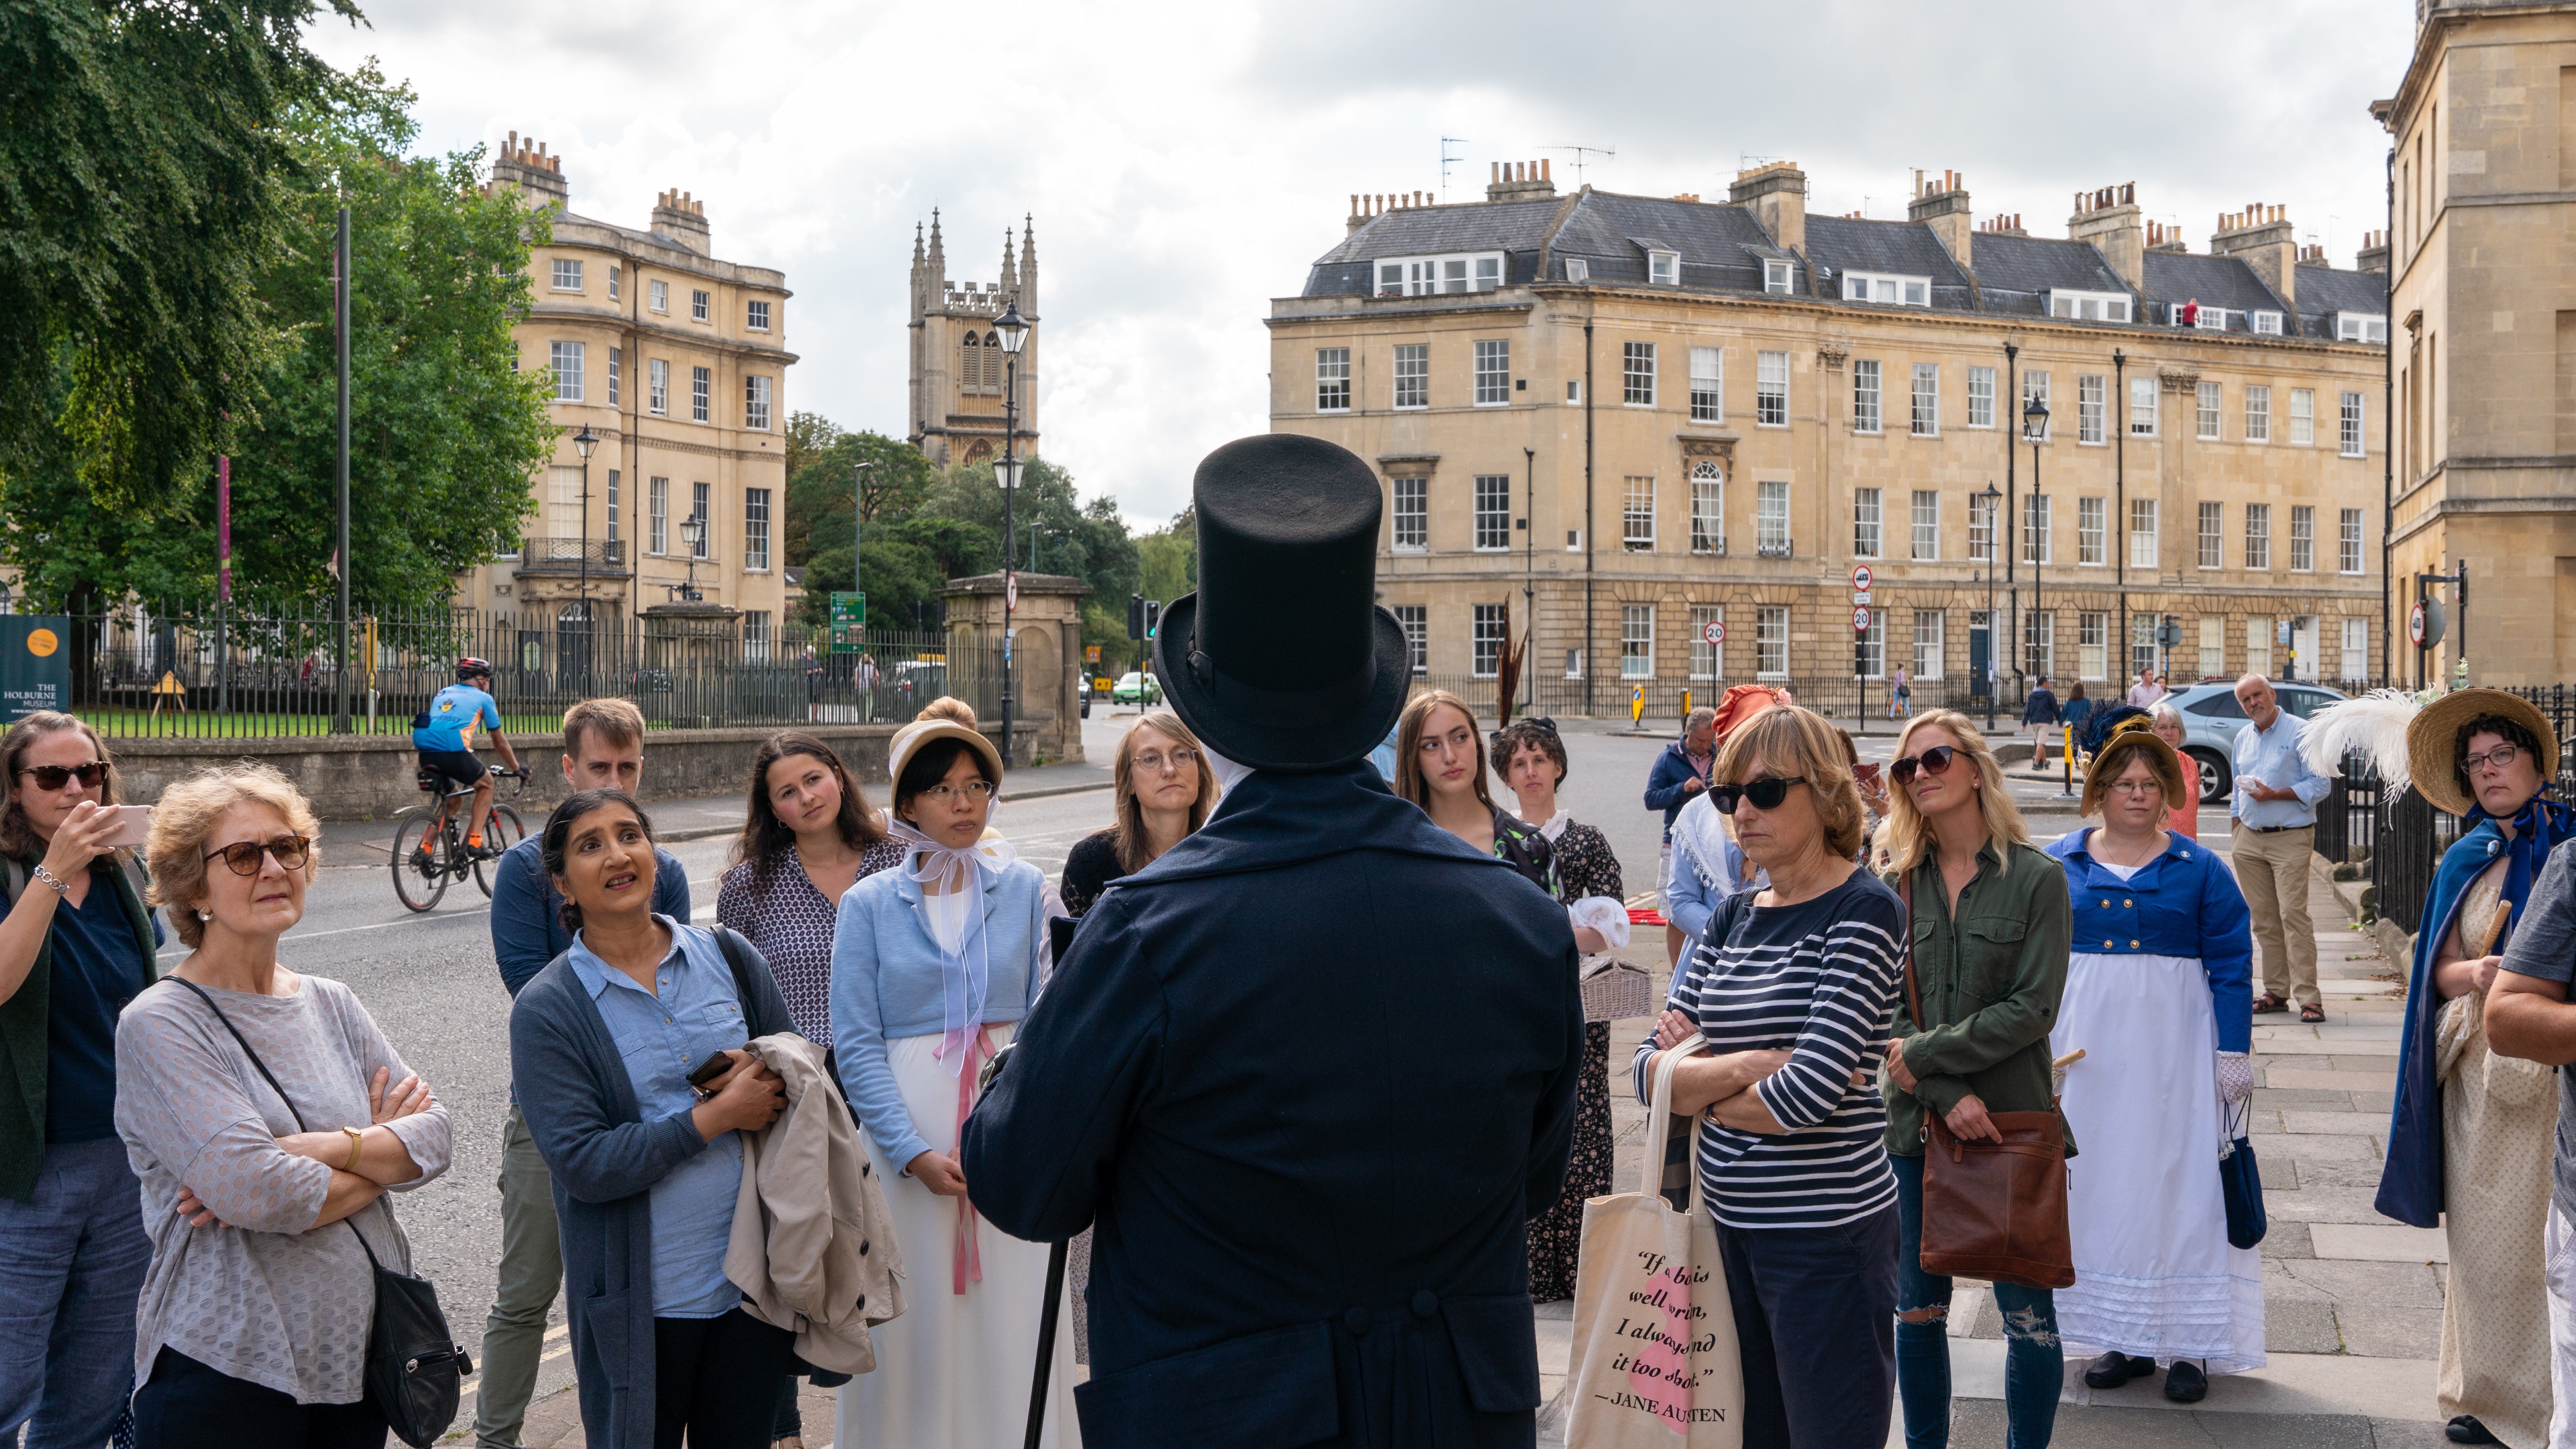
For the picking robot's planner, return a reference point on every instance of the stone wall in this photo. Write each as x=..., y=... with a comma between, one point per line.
x=353, y=777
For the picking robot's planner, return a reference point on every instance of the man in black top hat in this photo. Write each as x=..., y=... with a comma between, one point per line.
x=1312, y=1070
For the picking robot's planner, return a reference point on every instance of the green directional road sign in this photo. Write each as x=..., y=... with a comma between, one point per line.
x=849, y=621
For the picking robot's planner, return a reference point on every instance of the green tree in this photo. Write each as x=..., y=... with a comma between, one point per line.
x=144, y=173
x=822, y=466
x=444, y=430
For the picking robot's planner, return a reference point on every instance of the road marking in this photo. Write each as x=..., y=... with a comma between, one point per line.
x=468, y=1389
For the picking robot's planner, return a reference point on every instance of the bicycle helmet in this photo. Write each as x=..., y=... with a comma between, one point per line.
x=469, y=666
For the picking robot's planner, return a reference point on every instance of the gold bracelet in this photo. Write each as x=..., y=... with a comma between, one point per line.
x=357, y=1139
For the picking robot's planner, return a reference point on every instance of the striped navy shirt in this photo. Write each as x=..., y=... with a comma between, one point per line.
x=1820, y=979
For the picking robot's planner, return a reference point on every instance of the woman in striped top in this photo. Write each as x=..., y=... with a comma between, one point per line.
x=1792, y=987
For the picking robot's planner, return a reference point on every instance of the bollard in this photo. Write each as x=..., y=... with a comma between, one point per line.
x=1685, y=709
x=2066, y=746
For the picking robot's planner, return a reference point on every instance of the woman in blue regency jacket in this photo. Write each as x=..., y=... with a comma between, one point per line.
x=2157, y=996
x=934, y=964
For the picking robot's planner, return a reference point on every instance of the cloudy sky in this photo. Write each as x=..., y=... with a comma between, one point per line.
x=1186, y=162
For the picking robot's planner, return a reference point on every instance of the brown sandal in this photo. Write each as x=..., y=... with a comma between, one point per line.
x=2312, y=1014
x=2267, y=1003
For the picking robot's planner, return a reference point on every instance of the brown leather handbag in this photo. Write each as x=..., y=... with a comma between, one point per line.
x=1993, y=1210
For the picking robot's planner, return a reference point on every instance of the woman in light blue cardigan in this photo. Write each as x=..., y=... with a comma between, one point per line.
x=934, y=963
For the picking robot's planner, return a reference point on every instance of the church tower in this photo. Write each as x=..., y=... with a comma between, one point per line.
x=958, y=368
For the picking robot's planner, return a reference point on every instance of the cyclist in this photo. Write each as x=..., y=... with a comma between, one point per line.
x=444, y=735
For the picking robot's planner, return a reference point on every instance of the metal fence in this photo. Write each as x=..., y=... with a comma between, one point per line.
x=1858, y=704
x=140, y=670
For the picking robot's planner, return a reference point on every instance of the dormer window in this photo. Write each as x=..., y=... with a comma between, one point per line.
x=2266, y=324
x=2361, y=327
x=2196, y=315
x=1577, y=269
x=2088, y=306
x=1777, y=277
x=1892, y=291
x=1424, y=276
x=1664, y=269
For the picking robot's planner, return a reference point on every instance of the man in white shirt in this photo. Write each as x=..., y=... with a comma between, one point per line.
x=2272, y=823
x=2147, y=690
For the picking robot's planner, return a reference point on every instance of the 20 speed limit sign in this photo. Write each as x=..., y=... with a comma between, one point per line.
x=1714, y=632
x=1860, y=621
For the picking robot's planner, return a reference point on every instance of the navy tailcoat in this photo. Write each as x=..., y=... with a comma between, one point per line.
x=1310, y=1074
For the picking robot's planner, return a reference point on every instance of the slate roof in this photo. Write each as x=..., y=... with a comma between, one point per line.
x=1723, y=248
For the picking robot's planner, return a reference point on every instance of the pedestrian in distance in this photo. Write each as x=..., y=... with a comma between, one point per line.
x=610, y=1051
x=1440, y=766
x=1900, y=700
x=2039, y=715
x=2147, y=691
x=1161, y=788
x=2183, y=819
x=2156, y=999
x=2077, y=712
x=260, y=1106
x=1791, y=987
x=1530, y=756
x=2470, y=1134
x=1679, y=774
x=808, y=837
x=2272, y=829
x=1367, y=1267
x=813, y=665
x=934, y=965
x=603, y=749
x=77, y=944
x=1991, y=927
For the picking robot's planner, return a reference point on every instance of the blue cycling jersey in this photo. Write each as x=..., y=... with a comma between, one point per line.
x=453, y=714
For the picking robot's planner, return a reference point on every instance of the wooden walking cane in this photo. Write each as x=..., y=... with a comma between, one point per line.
x=1046, y=1345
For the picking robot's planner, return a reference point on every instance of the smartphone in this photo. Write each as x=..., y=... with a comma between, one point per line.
x=1867, y=774
x=707, y=1071
x=133, y=824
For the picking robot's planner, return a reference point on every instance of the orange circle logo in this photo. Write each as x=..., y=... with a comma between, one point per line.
x=42, y=643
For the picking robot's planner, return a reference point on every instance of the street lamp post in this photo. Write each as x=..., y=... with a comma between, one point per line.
x=583, y=442
x=1994, y=516
x=1015, y=335
x=692, y=528
x=2034, y=426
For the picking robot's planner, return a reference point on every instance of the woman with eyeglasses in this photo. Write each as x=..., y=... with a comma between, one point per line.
x=1440, y=766
x=2183, y=819
x=934, y=965
x=1162, y=789
x=264, y=1209
x=1990, y=926
x=1531, y=758
x=2158, y=997
x=1790, y=988
x=76, y=945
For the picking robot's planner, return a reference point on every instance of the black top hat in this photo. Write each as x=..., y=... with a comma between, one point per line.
x=1282, y=660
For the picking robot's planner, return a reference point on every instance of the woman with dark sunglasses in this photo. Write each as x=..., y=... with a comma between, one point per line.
x=254, y=1322
x=1990, y=926
x=77, y=945
x=1789, y=989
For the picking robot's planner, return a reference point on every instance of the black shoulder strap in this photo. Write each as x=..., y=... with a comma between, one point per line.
x=731, y=943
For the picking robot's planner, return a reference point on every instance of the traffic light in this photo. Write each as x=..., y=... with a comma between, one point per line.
x=1136, y=616
x=1153, y=616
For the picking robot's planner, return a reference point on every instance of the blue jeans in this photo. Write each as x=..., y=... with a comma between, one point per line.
x=2034, y=1365
x=71, y=1267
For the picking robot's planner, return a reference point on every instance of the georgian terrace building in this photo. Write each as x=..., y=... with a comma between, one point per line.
x=1633, y=417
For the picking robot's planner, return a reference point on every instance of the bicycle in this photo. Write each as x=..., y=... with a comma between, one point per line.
x=429, y=848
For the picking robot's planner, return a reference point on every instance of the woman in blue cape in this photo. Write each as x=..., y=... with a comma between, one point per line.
x=2469, y=1139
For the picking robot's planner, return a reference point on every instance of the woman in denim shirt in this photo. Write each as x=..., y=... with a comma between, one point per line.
x=934, y=964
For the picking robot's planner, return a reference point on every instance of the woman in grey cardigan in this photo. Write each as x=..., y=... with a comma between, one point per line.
x=646, y=1170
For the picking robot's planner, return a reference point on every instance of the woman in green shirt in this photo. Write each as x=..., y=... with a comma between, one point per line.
x=1991, y=928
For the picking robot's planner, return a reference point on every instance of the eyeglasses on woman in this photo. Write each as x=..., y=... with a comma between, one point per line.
x=243, y=855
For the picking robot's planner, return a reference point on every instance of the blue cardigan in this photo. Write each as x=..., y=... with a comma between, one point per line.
x=2182, y=903
x=572, y=1085
x=886, y=977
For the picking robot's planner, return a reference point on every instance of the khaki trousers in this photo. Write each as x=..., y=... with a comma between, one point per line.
x=2272, y=870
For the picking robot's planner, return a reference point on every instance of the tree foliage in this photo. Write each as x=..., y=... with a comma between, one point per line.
x=143, y=171
x=444, y=430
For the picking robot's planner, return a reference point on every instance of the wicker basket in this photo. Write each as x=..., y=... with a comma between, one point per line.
x=1615, y=990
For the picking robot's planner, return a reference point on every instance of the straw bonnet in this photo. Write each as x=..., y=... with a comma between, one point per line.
x=2136, y=732
x=2433, y=742
x=909, y=741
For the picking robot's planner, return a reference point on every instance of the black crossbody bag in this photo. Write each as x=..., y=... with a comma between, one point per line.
x=415, y=1368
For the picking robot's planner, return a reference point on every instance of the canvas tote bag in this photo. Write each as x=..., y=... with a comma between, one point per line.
x=1655, y=1363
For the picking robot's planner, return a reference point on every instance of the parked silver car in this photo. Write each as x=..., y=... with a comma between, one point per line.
x=2211, y=717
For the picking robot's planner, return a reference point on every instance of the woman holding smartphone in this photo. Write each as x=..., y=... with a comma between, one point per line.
x=76, y=945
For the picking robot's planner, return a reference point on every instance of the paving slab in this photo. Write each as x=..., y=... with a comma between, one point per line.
x=2321, y=1148
x=2323, y=1078
x=2299, y=1047
x=1982, y=1422
x=2288, y=1239
x=2390, y=1333
x=2346, y=1123
x=2382, y=1242
x=2300, y=1325
x=2323, y=1099
x=2362, y=1285
x=2318, y=1204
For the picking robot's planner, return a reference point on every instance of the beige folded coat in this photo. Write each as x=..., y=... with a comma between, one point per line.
x=813, y=1247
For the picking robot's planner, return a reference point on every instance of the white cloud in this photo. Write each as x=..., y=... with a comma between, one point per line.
x=1185, y=163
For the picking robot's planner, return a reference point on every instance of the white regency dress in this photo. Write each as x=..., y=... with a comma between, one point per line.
x=2154, y=1273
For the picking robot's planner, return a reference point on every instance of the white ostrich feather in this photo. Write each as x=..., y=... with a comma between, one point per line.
x=2373, y=725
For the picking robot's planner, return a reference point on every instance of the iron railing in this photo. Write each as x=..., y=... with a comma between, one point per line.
x=1856, y=704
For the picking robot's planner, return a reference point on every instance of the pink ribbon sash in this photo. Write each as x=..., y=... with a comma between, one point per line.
x=968, y=1266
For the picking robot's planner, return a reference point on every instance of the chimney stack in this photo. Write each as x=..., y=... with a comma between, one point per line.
x=2108, y=218
x=1776, y=195
x=1942, y=205
x=2373, y=256
x=682, y=221
x=2163, y=238
x=525, y=165
x=1520, y=181
x=2004, y=226
x=2261, y=236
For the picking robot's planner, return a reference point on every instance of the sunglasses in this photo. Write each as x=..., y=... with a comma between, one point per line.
x=1934, y=761
x=1765, y=793
x=243, y=855
x=54, y=777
